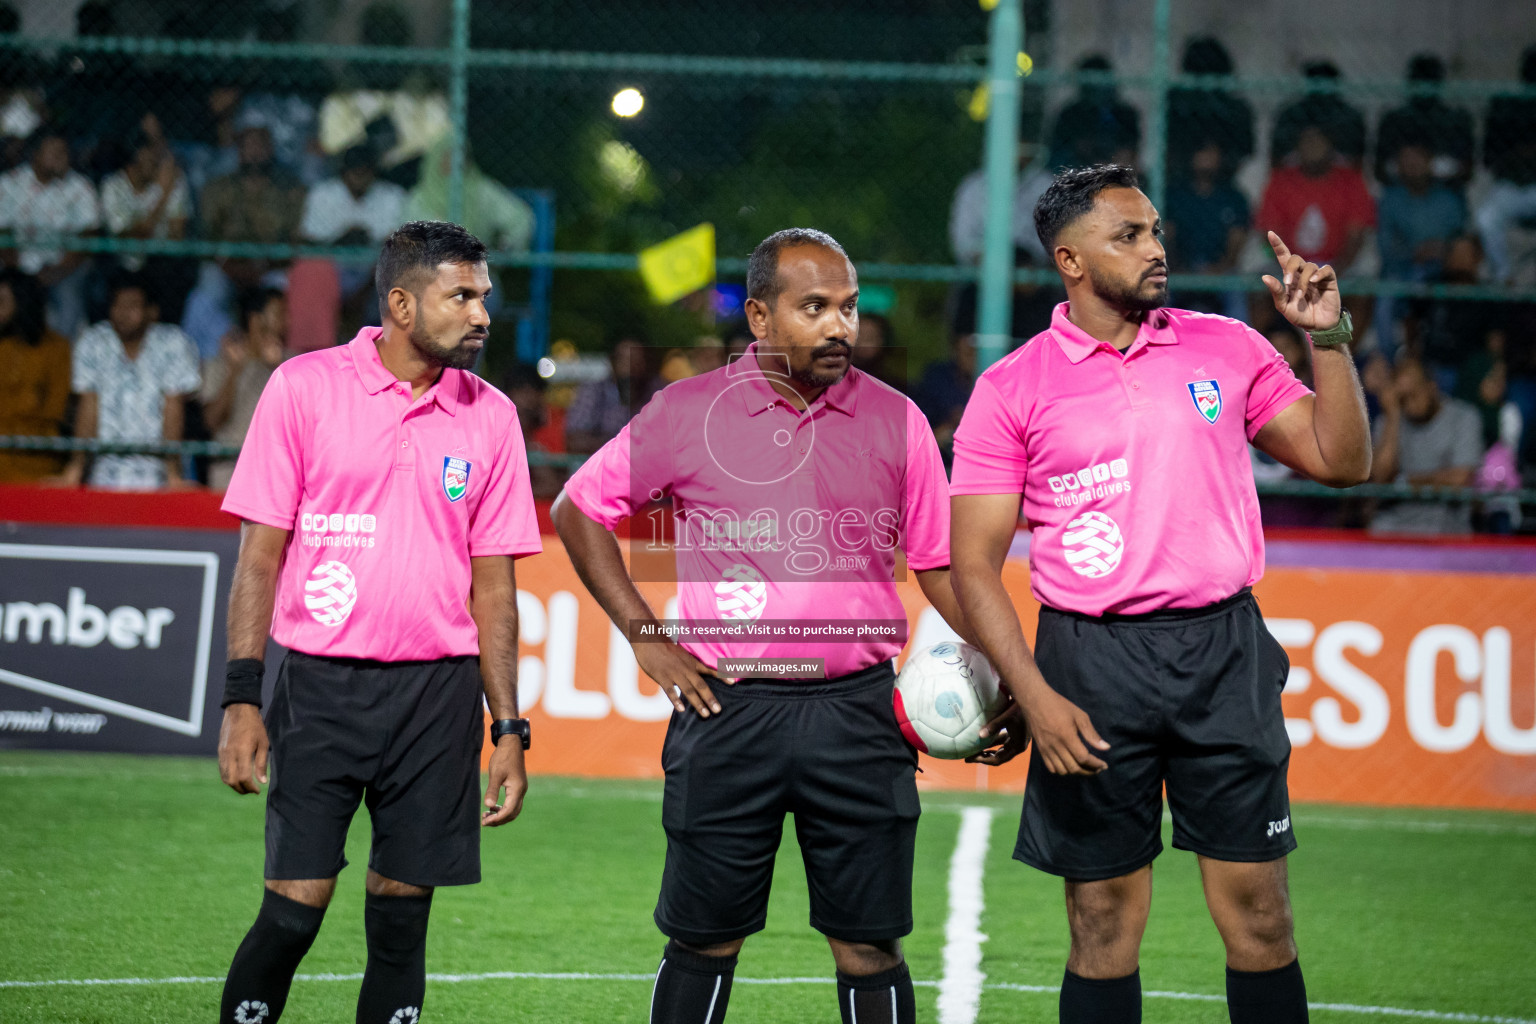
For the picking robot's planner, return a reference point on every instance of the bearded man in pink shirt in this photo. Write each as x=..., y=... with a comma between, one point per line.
x=794, y=479
x=384, y=495
x=1121, y=435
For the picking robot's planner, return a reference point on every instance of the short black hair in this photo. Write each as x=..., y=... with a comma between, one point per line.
x=1426, y=67
x=1072, y=194
x=132, y=280
x=1204, y=55
x=30, y=320
x=417, y=249
x=253, y=301
x=763, y=266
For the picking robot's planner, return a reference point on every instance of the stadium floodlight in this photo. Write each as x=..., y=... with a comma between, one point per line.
x=628, y=102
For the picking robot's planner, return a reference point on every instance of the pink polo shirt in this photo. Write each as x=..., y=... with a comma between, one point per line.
x=387, y=498
x=781, y=514
x=1134, y=468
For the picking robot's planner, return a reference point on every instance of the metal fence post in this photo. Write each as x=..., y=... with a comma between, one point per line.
x=458, y=107
x=1157, y=127
x=994, y=314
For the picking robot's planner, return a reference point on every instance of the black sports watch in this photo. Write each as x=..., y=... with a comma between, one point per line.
x=509, y=727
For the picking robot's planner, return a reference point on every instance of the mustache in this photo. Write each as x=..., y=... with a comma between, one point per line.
x=1157, y=268
x=832, y=348
x=477, y=336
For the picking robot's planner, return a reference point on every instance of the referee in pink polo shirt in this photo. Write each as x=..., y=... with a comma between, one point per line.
x=794, y=480
x=1122, y=432
x=384, y=493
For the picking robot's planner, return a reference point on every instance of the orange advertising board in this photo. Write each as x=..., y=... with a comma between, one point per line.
x=1405, y=687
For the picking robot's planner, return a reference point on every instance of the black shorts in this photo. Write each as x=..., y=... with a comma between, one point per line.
x=402, y=737
x=1186, y=697
x=827, y=751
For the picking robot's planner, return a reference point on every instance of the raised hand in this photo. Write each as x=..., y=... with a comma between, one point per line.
x=1306, y=294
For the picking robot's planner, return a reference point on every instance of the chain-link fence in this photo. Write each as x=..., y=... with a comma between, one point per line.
x=212, y=150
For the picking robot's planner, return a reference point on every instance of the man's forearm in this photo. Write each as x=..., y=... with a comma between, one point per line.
x=1339, y=416
x=594, y=552
x=251, y=598
x=938, y=589
x=493, y=605
x=994, y=624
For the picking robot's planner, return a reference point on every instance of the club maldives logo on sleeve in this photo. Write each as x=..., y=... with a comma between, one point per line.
x=1207, y=398
x=455, y=477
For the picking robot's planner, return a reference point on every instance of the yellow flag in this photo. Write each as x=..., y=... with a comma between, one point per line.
x=679, y=266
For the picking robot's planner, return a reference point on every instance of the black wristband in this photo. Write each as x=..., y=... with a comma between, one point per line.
x=242, y=681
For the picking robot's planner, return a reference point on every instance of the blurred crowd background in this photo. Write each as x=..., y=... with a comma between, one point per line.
x=191, y=193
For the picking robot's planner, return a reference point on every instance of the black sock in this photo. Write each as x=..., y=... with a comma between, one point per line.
x=1267, y=997
x=884, y=998
x=1101, y=1000
x=691, y=988
x=257, y=986
x=396, y=978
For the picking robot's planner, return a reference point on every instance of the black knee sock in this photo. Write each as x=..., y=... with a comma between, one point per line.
x=396, y=978
x=1267, y=997
x=1101, y=1000
x=257, y=986
x=884, y=998
x=691, y=988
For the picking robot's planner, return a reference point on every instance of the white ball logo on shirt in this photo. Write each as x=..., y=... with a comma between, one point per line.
x=330, y=593
x=1093, y=545
x=741, y=593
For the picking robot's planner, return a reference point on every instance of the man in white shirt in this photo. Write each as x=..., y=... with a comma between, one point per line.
x=354, y=208
x=133, y=376
x=40, y=200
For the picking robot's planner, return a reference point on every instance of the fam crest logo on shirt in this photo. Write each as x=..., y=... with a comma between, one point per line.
x=330, y=593
x=1093, y=545
x=455, y=477
x=741, y=593
x=1207, y=397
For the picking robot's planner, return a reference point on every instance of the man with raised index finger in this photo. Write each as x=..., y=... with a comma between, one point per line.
x=794, y=479
x=1123, y=432
x=384, y=492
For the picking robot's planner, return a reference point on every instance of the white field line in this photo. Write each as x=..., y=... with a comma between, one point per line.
x=960, y=988
x=453, y=979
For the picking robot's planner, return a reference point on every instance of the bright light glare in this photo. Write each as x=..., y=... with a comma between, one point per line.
x=628, y=102
x=546, y=367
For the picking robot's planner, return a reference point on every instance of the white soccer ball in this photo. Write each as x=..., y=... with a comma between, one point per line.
x=330, y=593
x=944, y=695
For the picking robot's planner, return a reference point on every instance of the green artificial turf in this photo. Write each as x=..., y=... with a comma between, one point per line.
x=147, y=868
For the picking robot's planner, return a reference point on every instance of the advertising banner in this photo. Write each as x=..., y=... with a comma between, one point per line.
x=1407, y=686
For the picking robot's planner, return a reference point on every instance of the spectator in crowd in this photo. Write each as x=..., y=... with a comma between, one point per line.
x=1207, y=226
x=354, y=208
x=1422, y=438
x=874, y=351
x=93, y=93
x=34, y=377
x=1427, y=120
x=1484, y=384
x=600, y=408
x=529, y=394
x=400, y=115
x=148, y=198
x=1201, y=118
x=1510, y=153
x=968, y=211
x=1319, y=203
x=22, y=102
x=1096, y=128
x=491, y=212
x=1419, y=220
x=133, y=376
x=233, y=381
x=944, y=388
x=259, y=202
x=45, y=197
x=1321, y=107
x=1443, y=332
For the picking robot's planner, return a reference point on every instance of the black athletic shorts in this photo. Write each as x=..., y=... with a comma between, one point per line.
x=403, y=737
x=1189, y=698
x=827, y=751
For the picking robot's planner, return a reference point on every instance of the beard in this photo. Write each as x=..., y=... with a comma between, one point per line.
x=810, y=378
x=1130, y=297
x=456, y=357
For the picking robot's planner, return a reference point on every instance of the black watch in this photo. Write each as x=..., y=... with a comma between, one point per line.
x=509, y=727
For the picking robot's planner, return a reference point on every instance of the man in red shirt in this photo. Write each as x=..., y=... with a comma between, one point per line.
x=1320, y=204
